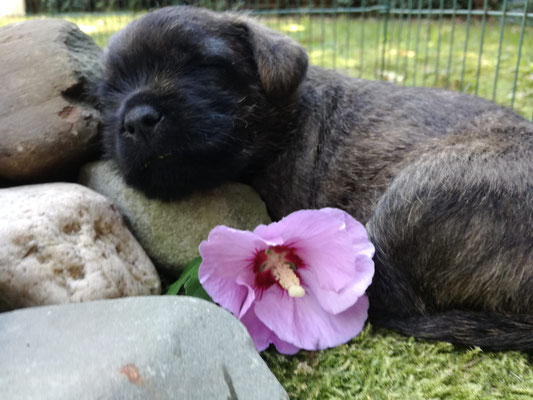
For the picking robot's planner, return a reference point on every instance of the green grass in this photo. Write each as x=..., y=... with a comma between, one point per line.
x=380, y=364
x=384, y=365
x=356, y=47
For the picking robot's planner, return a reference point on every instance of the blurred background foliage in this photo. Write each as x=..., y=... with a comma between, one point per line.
x=480, y=47
x=63, y=6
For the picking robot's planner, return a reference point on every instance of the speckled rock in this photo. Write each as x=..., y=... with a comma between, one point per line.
x=158, y=347
x=62, y=243
x=170, y=232
x=47, y=122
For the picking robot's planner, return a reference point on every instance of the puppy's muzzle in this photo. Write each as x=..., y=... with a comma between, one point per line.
x=140, y=122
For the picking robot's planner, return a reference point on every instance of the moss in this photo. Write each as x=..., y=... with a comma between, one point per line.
x=379, y=364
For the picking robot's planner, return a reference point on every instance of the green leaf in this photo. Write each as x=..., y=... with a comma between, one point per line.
x=189, y=283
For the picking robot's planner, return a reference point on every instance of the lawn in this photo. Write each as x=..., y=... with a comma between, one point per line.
x=380, y=364
x=356, y=46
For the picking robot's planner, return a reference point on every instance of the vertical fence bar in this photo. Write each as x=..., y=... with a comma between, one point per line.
x=378, y=43
x=298, y=21
x=468, y=17
x=502, y=28
x=322, y=34
x=385, y=27
x=426, y=55
x=450, y=51
x=310, y=5
x=418, y=23
x=522, y=30
x=483, y=23
x=347, y=41
x=390, y=36
x=390, y=39
x=335, y=26
x=362, y=36
x=278, y=19
x=399, y=41
x=408, y=41
x=437, y=59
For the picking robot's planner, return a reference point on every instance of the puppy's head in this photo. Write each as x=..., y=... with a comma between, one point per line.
x=192, y=98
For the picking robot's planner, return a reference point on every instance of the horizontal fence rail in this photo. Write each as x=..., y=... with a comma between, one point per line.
x=384, y=10
x=480, y=47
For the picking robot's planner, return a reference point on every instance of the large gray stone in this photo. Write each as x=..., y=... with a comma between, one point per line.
x=160, y=347
x=47, y=124
x=63, y=243
x=170, y=232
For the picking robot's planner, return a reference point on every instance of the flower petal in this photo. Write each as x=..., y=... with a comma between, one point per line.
x=363, y=273
x=303, y=323
x=225, y=272
x=337, y=302
x=284, y=347
x=321, y=240
x=228, y=294
x=356, y=230
x=262, y=336
x=232, y=247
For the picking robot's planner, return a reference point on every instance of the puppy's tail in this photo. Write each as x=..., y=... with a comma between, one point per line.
x=489, y=331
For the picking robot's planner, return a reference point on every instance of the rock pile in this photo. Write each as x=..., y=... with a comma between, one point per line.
x=66, y=243
x=62, y=242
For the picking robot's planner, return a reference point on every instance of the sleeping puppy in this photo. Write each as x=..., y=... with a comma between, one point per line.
x=442, y=180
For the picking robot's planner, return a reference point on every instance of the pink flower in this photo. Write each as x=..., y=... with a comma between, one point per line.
x=299, y=283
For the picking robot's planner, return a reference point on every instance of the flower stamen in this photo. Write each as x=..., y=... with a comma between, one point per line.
x=288, y=280
x=283, y=271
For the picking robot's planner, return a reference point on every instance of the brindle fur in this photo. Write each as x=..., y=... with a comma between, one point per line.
x=442, y=180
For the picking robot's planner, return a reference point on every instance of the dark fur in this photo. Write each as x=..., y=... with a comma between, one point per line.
x=443, y=181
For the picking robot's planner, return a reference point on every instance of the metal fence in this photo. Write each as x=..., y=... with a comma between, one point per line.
x=485, y=52
x=480, y=47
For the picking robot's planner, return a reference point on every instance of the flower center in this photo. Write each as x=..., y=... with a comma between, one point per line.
x=278, y=264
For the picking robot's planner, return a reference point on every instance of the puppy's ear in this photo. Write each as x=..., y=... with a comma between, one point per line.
x=281, y=61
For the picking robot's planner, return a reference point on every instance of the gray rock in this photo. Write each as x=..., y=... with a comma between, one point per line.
x=159, y=347
x=46, y=122
x=63, y=243
x=170, y=232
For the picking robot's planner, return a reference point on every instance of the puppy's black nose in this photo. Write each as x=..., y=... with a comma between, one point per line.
x=141, y=120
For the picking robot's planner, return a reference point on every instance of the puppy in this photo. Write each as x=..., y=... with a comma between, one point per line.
x=442, y=180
